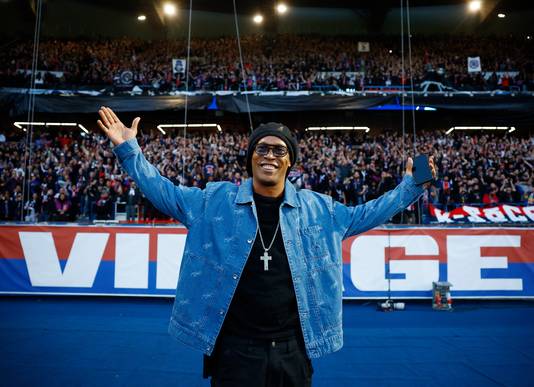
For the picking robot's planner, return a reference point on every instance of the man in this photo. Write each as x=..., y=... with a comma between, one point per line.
x=260, y=285
x=133, y=198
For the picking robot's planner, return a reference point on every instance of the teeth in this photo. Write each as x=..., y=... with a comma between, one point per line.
x=267, y=166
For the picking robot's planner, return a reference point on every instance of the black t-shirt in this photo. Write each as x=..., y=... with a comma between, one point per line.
x=264, y=305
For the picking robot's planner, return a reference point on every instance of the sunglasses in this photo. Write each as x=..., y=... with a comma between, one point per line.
x=278, y=150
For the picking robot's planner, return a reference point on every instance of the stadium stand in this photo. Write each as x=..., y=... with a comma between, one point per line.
x=280, y=62
x=77, y=178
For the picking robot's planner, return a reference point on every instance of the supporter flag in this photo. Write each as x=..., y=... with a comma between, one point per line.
x=473, y=64
x=126, y=78
x=364, y=47
x=178, y=66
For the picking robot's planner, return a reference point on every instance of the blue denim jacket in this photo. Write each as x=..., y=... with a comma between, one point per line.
x=222, y=224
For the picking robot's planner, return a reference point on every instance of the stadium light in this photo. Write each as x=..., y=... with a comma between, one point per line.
x=141, y=17
x=315, y=128
x=510, y=129
x=61, y=124
x=281, y=8
x=161, y=126
x=169, y=9
x=83, y=128
x=258, y=18
x=19, y=124
x=475, y=6
x=501, y=15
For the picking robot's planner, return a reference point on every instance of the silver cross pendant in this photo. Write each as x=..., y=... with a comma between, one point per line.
x=266, y=258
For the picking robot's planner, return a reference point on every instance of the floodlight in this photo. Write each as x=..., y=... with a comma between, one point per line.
x=169, y=9
x=258, y=18
x=161, y=126
x=281, y=8
x=501, y=16
x=19, y=124
x=475, y=6
x=510, y=129
x=366, y=129
x=141, y=17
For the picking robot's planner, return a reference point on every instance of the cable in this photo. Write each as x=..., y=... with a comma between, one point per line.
x=243, y=75
x=187, y=86
x=31, y=108
x=418, y=207
x=411, y=72
x=403, y=76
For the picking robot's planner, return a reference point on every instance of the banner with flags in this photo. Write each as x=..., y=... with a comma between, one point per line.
x=473, y=64
x=126, y=78
x=178, y=66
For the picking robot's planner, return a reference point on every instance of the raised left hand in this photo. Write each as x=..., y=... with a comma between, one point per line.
x=409, y=168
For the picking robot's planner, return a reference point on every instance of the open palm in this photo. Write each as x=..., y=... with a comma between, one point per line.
x=116, y=131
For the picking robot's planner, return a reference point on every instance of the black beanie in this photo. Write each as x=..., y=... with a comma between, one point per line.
x=272, y=129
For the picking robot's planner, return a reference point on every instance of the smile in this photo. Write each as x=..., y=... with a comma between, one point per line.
x=268, y=167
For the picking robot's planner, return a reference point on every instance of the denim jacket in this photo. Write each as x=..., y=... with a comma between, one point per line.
x=222, y=224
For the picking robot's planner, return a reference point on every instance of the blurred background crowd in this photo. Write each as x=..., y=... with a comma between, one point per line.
x=76, y=177
x=272, y=63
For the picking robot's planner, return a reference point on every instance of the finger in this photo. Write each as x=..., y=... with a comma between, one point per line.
x=135, y=122
x=104, y=117
x=114, y=115
x=109, y=116
x=102, y=126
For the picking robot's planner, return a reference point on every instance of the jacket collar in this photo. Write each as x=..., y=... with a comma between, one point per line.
x=245, y=193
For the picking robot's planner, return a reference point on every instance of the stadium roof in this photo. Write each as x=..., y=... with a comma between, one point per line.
x=252, y=6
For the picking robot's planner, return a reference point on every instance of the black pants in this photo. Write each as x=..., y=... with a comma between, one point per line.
x=258, y=363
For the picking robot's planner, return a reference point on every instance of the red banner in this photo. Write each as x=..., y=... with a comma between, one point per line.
x=503, y=213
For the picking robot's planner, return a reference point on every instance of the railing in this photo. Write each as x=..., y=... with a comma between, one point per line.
x=369, y=90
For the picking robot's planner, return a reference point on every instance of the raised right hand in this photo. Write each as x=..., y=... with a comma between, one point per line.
x=116, y=131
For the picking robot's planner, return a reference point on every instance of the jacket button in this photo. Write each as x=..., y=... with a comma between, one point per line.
x=249, y=241
x=234, y=276
x=221, y=312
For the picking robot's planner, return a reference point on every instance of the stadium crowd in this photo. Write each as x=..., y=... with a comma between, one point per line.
x=281, y=62
x=77, y=178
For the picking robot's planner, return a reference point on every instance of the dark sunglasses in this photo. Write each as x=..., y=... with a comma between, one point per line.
x=278, y=150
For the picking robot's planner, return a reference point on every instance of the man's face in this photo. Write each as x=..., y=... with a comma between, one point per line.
x=268, y=169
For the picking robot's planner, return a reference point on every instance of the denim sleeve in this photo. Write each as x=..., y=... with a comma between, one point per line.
x=182, y=203
x=351, y=221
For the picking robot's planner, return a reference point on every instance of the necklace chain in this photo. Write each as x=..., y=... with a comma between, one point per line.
x=274, y=237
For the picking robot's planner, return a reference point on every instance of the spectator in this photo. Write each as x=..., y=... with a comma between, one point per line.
x=491, y=197
x=104, y=206
x=5, y=206
x=62, y=208
x=132, y=198
x=32, y=208
x=48, y=206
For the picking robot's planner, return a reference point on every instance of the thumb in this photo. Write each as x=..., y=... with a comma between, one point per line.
x=409, y=166
x=135, y=123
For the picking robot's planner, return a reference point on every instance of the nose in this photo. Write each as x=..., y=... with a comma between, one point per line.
x=270, y=153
